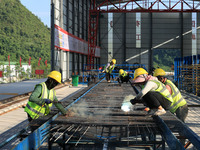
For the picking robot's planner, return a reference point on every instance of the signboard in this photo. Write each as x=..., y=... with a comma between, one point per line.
x=39, y=72
x=69, y=42
x=1, y=74
x=138, y=30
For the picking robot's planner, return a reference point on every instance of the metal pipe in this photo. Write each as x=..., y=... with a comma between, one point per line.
x=171, y=140
x=82, y=136
x=68, y=129
x=73, y=134
x=55, y=133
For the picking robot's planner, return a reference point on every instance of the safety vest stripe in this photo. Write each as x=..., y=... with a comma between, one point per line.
x=168, y=96
x=33, y=110
x=54, y=94
x=171, y=107
x=43, y=89
x=175, y=94
x=163, y=89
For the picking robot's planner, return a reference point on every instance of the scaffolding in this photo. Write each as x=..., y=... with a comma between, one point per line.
x=187, y=71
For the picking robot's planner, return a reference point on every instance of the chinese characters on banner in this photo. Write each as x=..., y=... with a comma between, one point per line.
x=138, y=30
x=68, y=42
x=194, y=33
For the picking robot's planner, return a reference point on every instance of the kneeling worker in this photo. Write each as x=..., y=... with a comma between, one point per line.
x=179, y=105
x=123, y=76
x=43, y=96
x=154, y=93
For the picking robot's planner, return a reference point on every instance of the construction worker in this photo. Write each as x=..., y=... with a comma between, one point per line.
x=109, y=68
x=154, y=93
x=123, y=76
x=43, y=96
x=179, y=105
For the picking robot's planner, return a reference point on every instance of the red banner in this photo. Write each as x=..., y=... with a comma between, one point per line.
x=46, y=62
x=29, y=61
x=1, y=74
x=39, y=72
x=20, y=60
x=39, y=61
x=9, y=59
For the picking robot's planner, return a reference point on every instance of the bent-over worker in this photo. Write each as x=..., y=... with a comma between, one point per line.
x=43, y=97
x=179, y=105
x=109, y=68
x=154, y=93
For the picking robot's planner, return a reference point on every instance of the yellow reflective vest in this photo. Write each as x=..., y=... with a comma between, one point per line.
x=178, y=100
x=163, y=90
x=35, y=110
x=124, y=74
x=110, y=68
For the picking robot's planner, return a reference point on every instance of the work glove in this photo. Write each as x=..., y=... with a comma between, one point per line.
x=133, y=101
x=47, y=101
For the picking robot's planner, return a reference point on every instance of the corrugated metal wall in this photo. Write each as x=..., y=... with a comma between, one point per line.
x=158, y=31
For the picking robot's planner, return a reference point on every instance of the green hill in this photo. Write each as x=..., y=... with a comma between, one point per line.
x=22, y=34
x=164, y=58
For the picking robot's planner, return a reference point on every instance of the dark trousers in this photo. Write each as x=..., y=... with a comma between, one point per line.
x=124, y=79
x=108, y=76
x=182, y=112
x=154, y=99
x=29, y=118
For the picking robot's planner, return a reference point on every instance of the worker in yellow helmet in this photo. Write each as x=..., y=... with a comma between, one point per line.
x=179, y=105
x=43, y=96
x=123, y=76
x=154, y=93
x=109, y=68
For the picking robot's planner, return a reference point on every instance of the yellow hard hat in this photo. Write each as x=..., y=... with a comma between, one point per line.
x=121, y=71
x=159, y=72
x=113, y=61
x=139, y=71
x=55, y=75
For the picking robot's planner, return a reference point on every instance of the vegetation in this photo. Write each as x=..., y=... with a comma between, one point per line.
x=165, y=58
x=22, y=34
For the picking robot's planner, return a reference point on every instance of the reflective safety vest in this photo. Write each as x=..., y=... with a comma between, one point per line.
x=178, y=100
x=163, y=90
x=110, y=68
x=124, y=74
x=36, y=110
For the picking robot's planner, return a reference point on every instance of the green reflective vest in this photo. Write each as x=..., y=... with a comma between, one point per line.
x=110, y=68
x=35, y=110
x=124, y=74
x=178, y=100
x=163, y=90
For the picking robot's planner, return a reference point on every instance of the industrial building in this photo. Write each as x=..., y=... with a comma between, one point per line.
x=94, y=32
x=86, y=35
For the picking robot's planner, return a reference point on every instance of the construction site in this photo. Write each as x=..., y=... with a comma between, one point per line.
x=85, y=36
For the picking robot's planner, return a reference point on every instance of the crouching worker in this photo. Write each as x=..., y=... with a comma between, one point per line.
x=154, y=93
x=123, y=76
x=109, y=68
x=43, y=96
x=179, y=105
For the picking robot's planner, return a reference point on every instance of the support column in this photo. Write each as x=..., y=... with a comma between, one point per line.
x=124, y=38
x=52, y=36
x=150, y=66
x=62, y=53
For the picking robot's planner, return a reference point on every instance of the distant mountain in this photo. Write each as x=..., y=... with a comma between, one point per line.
x=22, y=34
x=164, y=58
